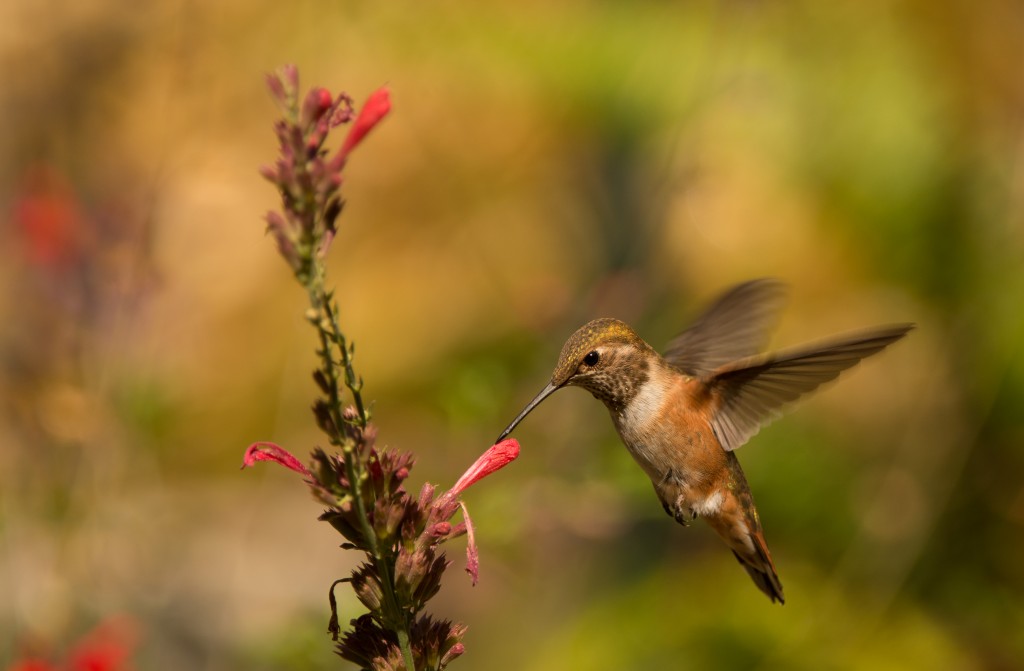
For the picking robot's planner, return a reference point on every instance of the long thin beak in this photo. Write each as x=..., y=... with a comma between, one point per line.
x=544, y=393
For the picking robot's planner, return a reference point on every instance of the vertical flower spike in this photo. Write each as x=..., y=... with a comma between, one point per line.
x=363, y=487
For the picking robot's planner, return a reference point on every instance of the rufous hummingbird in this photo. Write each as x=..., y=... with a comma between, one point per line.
x=683, y=415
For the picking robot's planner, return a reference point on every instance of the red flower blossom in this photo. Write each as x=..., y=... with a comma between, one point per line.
x=494, y=459
x=376, y=108
x=264, y=451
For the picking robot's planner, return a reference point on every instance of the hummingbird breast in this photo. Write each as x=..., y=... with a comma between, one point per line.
x=666, y=429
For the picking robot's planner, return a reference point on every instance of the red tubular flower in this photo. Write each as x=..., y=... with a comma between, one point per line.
x=264, y=451
x=494, y=459
x=376, y=108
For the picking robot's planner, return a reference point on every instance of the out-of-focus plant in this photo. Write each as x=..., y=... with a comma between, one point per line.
x=108, y=647
x=361, y=485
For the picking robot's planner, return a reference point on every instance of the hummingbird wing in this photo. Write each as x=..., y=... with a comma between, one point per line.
x=736, y=325
x=751, y=392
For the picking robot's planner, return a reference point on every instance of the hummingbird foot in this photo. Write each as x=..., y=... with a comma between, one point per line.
x=682, y=519
x=678, y=504
x=676, y=514
x=679, y=513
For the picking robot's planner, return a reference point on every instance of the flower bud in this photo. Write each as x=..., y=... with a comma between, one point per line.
x=441, y=529
x=367, y=587
x=317, y=102
x=455, y=651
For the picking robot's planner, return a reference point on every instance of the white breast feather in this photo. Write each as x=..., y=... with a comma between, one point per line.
x=634, y=422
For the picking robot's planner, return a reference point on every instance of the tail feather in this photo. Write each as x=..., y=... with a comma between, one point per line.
x=762, y=569
x=745, y=539
x=738, y=524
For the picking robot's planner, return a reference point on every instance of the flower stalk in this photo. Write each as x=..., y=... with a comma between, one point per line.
x=361, y=486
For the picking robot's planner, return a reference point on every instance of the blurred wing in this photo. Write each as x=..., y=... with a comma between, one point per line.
x=735, y=326
x=752, y=392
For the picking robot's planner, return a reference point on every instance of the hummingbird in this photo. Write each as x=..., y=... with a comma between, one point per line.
x=683, y=415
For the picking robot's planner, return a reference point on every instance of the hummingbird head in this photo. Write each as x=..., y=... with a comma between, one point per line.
x=606, y=357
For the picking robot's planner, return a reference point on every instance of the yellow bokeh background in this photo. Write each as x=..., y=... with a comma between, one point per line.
x=544, y=164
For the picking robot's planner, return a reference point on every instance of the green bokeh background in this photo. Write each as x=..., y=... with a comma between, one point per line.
x=544, y=164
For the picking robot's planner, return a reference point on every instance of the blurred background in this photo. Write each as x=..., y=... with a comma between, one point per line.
x=544, y=164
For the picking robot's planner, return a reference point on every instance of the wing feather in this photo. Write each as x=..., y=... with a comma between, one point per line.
x=753, y=391
x=734, y=326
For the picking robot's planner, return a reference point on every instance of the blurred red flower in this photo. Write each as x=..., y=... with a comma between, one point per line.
x=108, y=647
x=50, y=218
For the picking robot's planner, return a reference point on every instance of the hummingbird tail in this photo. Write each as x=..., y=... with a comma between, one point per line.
x=761, y=568
x=742, y=533
x=739, y=526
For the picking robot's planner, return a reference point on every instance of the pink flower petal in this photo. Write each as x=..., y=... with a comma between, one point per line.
x=472, y=552
x=264, y=451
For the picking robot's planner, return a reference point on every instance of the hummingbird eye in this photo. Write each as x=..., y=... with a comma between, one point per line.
x=591, y=358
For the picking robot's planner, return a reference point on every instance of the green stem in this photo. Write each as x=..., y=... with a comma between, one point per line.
x=326, y=314
x=397, y=616
x=403, y=643
x=353, y=471
x=354, y=384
